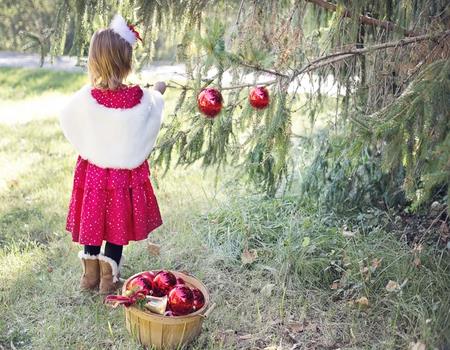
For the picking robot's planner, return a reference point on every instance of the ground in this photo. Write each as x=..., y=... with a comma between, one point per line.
x=283, y=275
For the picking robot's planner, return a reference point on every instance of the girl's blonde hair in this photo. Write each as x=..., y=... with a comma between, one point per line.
x=109, y=61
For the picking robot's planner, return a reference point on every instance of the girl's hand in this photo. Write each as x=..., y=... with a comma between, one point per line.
x=160, y=86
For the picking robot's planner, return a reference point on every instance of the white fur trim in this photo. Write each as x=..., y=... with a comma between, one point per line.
x=83, y=255
x=112, y=137
x=120, y=26
x=115, y=269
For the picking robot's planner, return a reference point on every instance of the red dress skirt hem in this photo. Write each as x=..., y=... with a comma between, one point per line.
x=113, y=205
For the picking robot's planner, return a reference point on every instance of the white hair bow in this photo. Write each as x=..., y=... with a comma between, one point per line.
x=125, y=30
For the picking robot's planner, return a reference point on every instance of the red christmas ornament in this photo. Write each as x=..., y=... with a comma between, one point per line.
x=139, y=284
x=199, y=299
x=259, y=97
x=209, y=102
x=162, y=284
x=181, y=300
x=180, y=281
x=148, y=275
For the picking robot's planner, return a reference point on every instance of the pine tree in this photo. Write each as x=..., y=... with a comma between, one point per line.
x=388, y=59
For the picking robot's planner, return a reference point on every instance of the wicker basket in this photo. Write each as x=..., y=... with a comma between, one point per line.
x=163, y=332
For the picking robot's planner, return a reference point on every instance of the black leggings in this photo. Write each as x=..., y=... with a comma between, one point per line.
x=112, y=251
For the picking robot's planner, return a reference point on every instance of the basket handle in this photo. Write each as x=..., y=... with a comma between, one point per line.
x=208, y=312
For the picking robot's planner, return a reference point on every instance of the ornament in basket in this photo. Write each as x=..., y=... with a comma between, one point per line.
x=164, y=309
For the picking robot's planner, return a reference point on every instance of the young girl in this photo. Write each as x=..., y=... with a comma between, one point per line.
x=113, y=127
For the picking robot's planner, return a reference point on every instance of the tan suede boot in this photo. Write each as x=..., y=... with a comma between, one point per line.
x=91, y=271
x=109, y=274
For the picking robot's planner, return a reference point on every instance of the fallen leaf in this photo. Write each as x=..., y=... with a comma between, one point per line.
x=248, y=256
x=226, y=337
x=362, y=302
x=153, y=249
x=417, y=262
x=417, y=248
x=306, y=241
x=245, y=337
x=296, y=327
x=417, y=346
x=364, y=270
x=335, y=285
x=13, y=183
x=347, y=233
x=50, y=269
x=436, y=209
x=376, y=263
x=444, y=231
x=392, y=286
x=267, y=289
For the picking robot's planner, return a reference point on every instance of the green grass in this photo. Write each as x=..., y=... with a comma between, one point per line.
x=283, y=298
x=19, y=83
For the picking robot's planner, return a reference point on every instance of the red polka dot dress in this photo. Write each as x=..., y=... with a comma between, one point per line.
x=112, y=204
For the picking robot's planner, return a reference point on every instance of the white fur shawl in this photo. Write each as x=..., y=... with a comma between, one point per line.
x=109, y=137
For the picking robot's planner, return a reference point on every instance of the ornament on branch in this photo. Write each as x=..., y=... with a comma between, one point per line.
x=210, y=102
x=259, y=97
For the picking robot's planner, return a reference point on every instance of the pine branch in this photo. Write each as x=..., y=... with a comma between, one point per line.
x=174, y=86
x=265, y=70
x=328, y=60
x=241, y=86
x=339, y=56
x=363, y=18
x=342, y=55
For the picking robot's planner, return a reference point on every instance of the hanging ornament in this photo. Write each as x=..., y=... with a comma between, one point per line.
x=259, y=97
x=210, y=102
x=162, y=284
x=199, y=299
x=181, y=300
